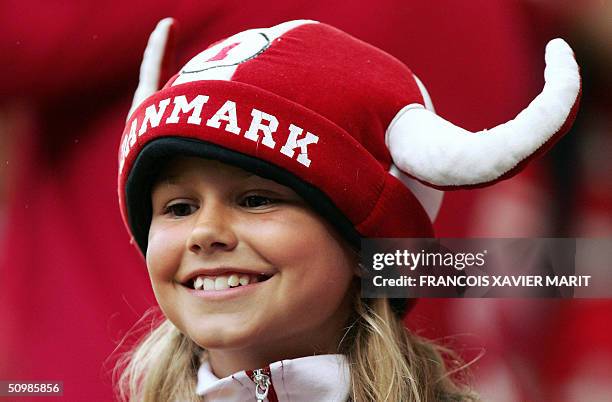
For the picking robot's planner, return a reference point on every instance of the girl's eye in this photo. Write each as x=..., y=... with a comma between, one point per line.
x=256, y=201
x=180, y=209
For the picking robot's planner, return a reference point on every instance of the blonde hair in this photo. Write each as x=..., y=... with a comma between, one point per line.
x=390, y=363
x=161, y=367
x=387, y=362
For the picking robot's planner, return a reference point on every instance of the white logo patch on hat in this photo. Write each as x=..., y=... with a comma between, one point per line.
x=219, y=62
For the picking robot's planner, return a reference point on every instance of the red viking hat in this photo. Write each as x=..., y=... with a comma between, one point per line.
x=346, y=125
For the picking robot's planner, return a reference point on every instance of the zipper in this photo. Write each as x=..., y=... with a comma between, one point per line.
x=263, y=384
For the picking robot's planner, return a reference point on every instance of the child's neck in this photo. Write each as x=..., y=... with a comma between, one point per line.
x=224, y=362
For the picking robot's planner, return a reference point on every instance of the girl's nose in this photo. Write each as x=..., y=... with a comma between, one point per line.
x=213, y=231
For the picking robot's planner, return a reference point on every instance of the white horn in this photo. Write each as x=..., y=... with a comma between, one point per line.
x=439, y=153
x=429, y=197
x=152, y=61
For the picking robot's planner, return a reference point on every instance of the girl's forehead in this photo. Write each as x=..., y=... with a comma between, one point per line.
x=184, y=170
x=184, y=167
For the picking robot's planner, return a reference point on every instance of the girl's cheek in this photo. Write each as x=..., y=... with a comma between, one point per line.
x=164, y=252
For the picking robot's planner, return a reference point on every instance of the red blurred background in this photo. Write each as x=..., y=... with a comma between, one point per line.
x=71, y=285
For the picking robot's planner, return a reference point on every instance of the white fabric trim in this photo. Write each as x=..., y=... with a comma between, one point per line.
x=438, y=152
x=425, y=94
x=313, y=378
x=428, y=197
x=150, y=68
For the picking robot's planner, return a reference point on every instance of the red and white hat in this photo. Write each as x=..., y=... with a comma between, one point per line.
x=346, y=125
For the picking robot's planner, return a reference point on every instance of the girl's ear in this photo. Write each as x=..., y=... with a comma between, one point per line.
x=358, y=270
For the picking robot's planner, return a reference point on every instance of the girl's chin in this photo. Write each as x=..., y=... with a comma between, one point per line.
x=224, y=341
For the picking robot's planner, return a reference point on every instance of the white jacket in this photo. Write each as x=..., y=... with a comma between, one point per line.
x=313, y=378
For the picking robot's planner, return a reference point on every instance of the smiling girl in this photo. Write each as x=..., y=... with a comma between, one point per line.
x=249, y=179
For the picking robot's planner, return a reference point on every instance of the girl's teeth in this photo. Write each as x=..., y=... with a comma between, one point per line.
x=244, y=280
x=233, y=280
x=209, y=284
x=221, y=283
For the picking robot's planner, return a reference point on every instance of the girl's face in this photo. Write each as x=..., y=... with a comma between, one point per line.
x=223, y=224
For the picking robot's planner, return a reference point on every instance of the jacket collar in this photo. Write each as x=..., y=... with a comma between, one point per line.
x=312, y=378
